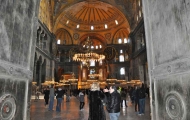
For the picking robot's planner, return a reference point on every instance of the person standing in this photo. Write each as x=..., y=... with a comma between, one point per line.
x=37, y=95
x=51, y=97
x=96, y=108
x=131, y=94
x=136, y=98
x=142, y=95
x=46, y=95
x=113, y=104
x=59, y=97
x=81, y=99
x=123, y=97
x=68, y=95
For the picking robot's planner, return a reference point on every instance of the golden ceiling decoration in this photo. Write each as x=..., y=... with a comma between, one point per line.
x=93, y=13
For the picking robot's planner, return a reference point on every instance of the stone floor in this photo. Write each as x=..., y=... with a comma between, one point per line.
x=70, y=111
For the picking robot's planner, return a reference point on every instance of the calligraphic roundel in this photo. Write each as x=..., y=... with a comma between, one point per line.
x=109, y=53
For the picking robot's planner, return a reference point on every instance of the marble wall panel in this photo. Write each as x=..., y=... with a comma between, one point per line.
x=167, y=31
x=12, y=92
x=18, y=21
x=172, y=97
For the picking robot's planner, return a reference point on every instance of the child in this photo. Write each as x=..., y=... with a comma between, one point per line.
x=37, y=95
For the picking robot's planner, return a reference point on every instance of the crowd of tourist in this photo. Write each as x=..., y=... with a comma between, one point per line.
x=113, y=98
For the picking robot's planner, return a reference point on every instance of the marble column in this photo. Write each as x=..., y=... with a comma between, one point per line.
x=40, y=75
x=42, y=35
x=38, y=37
x=34, y=72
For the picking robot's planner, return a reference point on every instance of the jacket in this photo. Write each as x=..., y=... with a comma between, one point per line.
x=123, y=95
x=96, y=108
x=142, y=93
x=113, y=105
x=59, y=93
x=81, y=97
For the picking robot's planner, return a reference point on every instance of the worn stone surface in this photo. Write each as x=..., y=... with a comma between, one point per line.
x=168, y=44
x=17, y=41
x=16, y=89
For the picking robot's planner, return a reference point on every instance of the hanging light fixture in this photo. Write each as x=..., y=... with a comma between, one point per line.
x=88, y=55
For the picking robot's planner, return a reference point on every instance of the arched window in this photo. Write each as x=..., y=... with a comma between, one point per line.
x=92, y=63
x=119, y=40
x=125, y=40
x=58, y=41
x=121, y=56
x=122, y=71
x=100, y=63
x=126, y=56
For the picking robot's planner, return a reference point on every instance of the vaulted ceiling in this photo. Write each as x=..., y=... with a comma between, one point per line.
x=87, y=14
x=72, y=21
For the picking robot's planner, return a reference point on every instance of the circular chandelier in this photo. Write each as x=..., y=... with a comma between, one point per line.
x=88, y=55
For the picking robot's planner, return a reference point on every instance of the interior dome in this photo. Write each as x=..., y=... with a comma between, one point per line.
x=83, y=15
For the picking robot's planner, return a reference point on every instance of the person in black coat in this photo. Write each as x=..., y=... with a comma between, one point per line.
x=123, y=97
x=46, y=95
x=96, y=108
x=113, y=104
x=136, y=98
x=59, y=96
x=142, y=99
